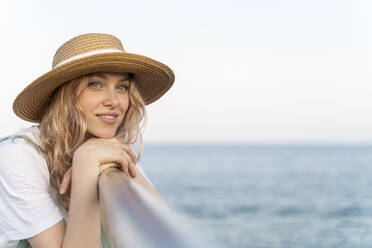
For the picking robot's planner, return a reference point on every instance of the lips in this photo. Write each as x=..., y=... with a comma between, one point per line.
x=108, y=118
x=108, y=114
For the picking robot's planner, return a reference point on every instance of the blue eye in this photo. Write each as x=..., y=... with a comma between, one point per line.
x=94, y=84
x=123, y=87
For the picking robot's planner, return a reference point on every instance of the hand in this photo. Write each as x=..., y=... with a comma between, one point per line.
x=65, y=181
x=126, y=164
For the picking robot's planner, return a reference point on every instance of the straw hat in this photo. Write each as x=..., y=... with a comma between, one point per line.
x=89, y=53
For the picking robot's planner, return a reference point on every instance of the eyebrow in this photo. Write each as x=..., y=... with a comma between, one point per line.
x=101, y=75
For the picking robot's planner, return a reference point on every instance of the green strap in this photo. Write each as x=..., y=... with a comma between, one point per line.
x=104, y=240
x=24, y=243
x=25, y=137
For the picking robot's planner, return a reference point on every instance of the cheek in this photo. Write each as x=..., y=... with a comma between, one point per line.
x=124, y=104
x=85, y=102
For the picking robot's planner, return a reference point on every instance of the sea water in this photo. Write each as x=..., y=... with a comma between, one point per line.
x=268, y=196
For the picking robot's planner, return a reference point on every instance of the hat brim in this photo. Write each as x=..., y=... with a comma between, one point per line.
x=152, y=78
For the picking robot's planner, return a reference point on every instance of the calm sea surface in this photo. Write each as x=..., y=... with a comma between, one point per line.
x=269, y=196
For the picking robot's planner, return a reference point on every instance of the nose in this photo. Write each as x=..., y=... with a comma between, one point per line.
x=111, y=99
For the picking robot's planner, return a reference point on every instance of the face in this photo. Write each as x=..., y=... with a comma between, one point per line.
x=104, y=102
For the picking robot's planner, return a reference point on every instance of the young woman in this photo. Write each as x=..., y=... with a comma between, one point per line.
x=89, y=109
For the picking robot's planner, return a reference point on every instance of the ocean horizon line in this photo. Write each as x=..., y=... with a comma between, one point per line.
x=258, y=144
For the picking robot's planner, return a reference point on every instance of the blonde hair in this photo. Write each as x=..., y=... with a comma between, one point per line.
x=63, y=129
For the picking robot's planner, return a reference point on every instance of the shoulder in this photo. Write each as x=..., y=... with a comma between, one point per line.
x=12, y=146
x=27, y=204
x=20, y=160
x=21, y=146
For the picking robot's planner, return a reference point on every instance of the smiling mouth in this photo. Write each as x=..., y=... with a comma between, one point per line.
x=108, y=119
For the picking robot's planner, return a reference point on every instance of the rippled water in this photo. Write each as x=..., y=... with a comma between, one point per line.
x=269, y=196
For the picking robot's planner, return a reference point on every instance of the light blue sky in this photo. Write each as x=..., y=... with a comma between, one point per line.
x=246, y=71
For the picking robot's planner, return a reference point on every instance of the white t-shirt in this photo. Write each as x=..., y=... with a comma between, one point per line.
x=28, y=204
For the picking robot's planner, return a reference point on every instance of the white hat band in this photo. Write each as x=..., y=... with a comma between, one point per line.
x=88, y=54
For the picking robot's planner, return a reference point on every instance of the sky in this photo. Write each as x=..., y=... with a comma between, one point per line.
x=263, y=71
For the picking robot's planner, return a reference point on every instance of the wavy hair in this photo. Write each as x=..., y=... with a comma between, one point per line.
x=63, y=129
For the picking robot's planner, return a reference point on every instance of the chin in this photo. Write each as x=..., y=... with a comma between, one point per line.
x=104, y=136
x=101, y=134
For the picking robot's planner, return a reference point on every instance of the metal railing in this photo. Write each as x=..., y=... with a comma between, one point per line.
x=132, y=217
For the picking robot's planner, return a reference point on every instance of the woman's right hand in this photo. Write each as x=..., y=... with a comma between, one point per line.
x=95, y=152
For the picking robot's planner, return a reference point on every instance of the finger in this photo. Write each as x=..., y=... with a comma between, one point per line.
x=128, y=150
x=132, y=170
x=131, y=154
x=66, y=181
x=124, y=167
x=128, y=166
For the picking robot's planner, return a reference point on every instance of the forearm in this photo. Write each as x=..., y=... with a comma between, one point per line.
x=83, y=224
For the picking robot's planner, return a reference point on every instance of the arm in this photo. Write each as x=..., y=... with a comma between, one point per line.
x=50, y=238
x=27, y=208
x=83, y=227
x=71, y=233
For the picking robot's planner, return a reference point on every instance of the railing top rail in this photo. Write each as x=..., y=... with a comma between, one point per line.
x=132, y=217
